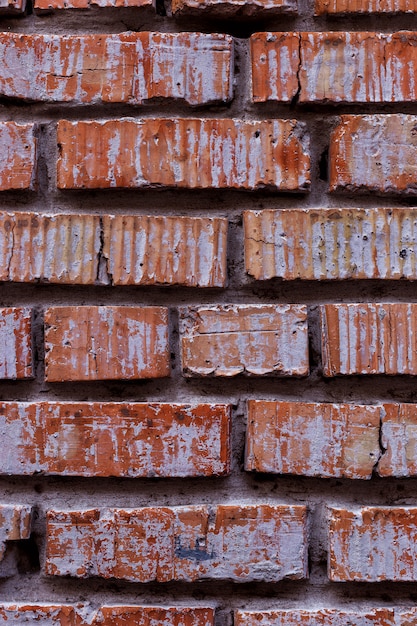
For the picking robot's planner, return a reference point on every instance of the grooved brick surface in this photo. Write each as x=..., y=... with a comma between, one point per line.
x=312, y=439
x=115, y=439
x=191, y=153
x=17, y=147
x=399, y=439
x=374, y=153
x=369, y=338
x=131, y=67
x=334, y=67
x=15, y=343
x=372, y=544
x=240, y=543
x=256, y=340
x=106, y=342
x=365, y=6
x=322, y=617
x=233, y=8
x=331, y=244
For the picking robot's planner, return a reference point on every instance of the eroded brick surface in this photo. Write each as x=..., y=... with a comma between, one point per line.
x=372, y=544
x=312, y=439
x=365, y=6
x=399, y=439
x=240, y=543
x=322, y=617
x=130, y=67
x=15, y=524
x=17, y=147
x=12, y=7
x=15, y=343
x=114, y=439
x=106, y=342
x=374, y=153
x=369, y=338
x=191, y=153
x=52, y=5
x=233, y=8
x=331, y=244
x=258, y=340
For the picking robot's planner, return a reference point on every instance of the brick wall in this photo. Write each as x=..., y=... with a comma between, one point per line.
x=208, y=313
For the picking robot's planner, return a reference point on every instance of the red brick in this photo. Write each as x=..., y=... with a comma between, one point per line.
x=374, y=153
x=241, y=543
x=15, y=524
x=48, y=614
x=369, y=338
x=152, y=250
x=233, y=8
x=130, y=67
x=114, y=439
x=258, y=340
x=331, y=244
x=106, y=342
x=312, y=439
x=373, y=544
x=15, y=343
x=52, y=5
x=10, y=7
x=17, y=147
x=399, y=440
x=321, y=617
x=334, y=67
x=191, y=153
x=365, y=6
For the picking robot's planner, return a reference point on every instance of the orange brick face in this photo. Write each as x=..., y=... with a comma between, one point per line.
x=323, y=617
x=52, y=5
x=256, y=340
x=399, y=439
x=15, y=343
x=373, y=544
x=331, y=244
x=365, y=6
x=369, y=339
x=282, y=438
x=102, y=343
x=240, y=543
x=132, y=68
x=191, y=153
x=115, y=439
x=374, y=153
x=17, y=147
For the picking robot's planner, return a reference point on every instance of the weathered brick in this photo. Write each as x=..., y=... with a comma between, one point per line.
x=191, y=153
x=15, y=524
x=151, y=250
x=334, y=67
x=258, y=340
x=372, y=544
x=17, y=149
x=331, y=244
x=365, y=6
x=52, y=5
x=48, y=614
x=10, y=7
x=106, y=342
x=321, y=617
x=114, y=439
x=374, y=153
x=233, y=8
x=15, y=343
x=369, y=338
x=241, y=543
x=399, y=440
x=130, y=67
x=312, y=439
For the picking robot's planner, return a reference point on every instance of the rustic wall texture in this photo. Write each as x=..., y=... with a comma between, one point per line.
x=208, y=312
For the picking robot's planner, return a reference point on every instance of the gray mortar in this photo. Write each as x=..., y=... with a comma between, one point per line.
x=25, y=583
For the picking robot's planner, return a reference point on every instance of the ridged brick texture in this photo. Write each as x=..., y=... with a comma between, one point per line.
x=369, y=338
x=115, y=439
x=323, y=617
x=182, y=543
x=15, y=524
x=312, y=439
x=257, y=340
x=52, y=5
x=132, y=68
x=15, y=343
x=233, y=8
x=372, y=544
x=83, y=615
x=123, y=250
x=331, y=244
x=191, y=153
x=399, y=440
x=374, y=153
x=334, y=67
x=17, y=147
x=365, y=6
x=108, y=342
